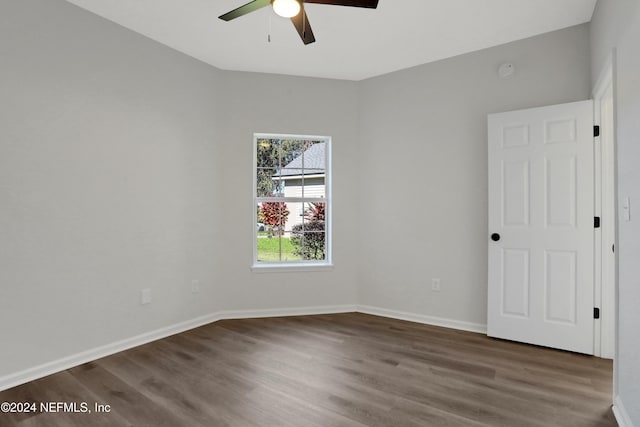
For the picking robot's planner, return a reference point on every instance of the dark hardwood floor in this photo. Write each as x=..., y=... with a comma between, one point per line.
x=328, y=370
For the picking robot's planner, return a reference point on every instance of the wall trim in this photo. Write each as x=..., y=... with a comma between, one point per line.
x=283, y=312
x=422, y=318
x=40, y=371
x=621, y=414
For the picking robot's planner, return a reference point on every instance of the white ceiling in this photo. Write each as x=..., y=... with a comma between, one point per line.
x=351, y=43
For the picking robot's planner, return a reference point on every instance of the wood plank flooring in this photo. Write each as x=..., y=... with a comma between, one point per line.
x=328, y=370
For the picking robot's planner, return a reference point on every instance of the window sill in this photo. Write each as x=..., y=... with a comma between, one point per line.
x=290, y=268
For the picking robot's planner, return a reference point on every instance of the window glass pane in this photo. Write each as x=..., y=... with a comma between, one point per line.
x=276, y=249
x=267, y=185
x=315, y=211
x=291, y=153
x=269, y=163
x=308, y=236
x=312, y=245
x=295, y=217
x=268, y=152
x=273, y=215
x=315, y=158
x=291, y=182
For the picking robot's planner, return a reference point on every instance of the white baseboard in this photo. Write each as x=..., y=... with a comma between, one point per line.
x=421, y=318
x=283, y=312
x=621, y=414
x=68, y=362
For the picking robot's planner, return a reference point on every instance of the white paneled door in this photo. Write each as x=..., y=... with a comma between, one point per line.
x=541, y=226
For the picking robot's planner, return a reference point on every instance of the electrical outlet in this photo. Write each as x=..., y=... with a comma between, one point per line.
x=435, y=285
x=145, y=296
x=195, y=286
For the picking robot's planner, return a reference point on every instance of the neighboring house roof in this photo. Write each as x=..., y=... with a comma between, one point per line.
x=314, y=162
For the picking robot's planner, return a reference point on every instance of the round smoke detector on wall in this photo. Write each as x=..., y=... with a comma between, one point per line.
x=506, y=70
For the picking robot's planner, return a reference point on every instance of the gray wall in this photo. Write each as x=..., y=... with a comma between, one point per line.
x=424, y=168
x=108, y=175
x=616, y=25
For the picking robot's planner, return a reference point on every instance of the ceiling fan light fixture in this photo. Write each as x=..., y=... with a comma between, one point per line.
x=286, y=8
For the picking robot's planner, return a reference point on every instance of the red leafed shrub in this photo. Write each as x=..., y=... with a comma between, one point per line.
x=274, y=214
x=315, y=212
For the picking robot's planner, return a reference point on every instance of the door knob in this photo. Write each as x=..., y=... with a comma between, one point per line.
x=495, y=237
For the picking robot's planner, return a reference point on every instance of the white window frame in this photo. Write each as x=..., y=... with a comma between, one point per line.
x=292, y=266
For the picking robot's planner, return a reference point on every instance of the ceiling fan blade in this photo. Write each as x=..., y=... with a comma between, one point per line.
x=301, y=22
x=243, y=10
x=372, y=4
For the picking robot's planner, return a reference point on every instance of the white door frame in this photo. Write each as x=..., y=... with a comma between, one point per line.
x=605, y=288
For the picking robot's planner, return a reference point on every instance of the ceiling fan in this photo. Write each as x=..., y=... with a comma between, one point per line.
x=294, y=9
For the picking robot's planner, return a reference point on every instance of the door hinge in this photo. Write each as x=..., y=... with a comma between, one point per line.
x=596, y=222
x=596, y=313
x=596, y=131
x=613, y=248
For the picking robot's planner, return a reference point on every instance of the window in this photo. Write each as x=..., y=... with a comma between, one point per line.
x=292, y=201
